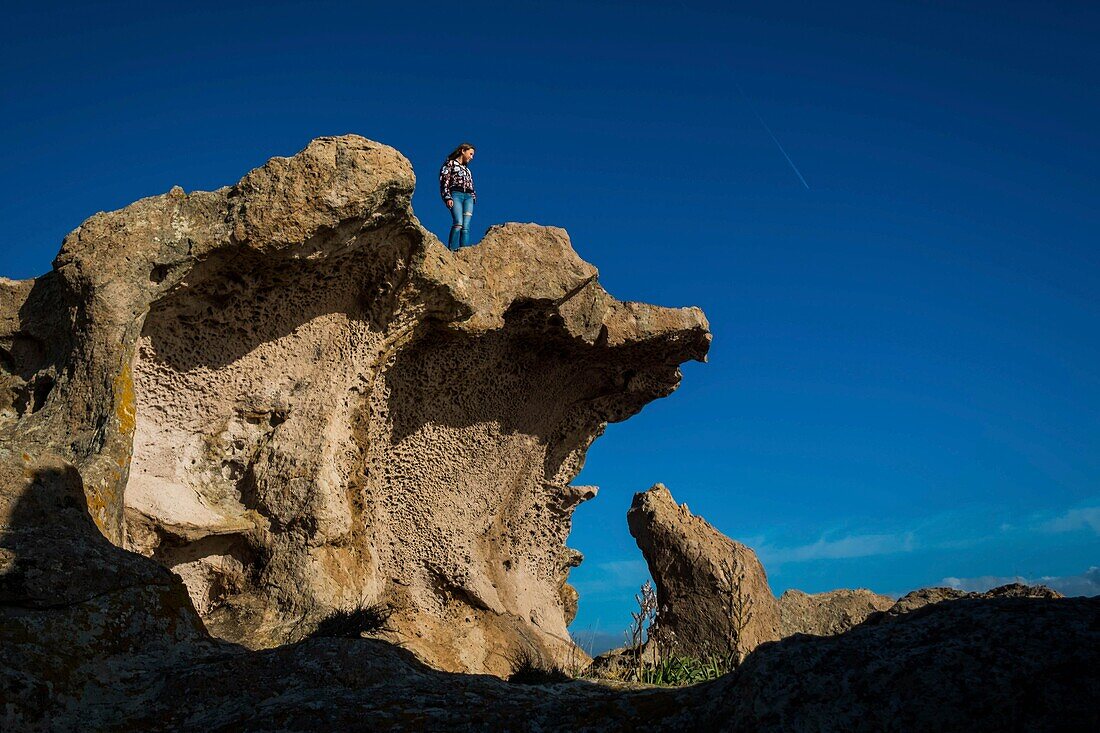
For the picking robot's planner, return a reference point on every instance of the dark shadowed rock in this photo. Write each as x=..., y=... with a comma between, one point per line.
x=989, y=664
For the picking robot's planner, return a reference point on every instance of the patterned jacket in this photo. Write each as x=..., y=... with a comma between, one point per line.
x=454, y=176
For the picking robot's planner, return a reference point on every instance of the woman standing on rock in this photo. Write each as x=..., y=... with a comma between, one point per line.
x=456, y=186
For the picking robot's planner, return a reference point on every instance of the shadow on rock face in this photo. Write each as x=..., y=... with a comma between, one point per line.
x=519, y=383
x=94, y=637
x=69, y=599
x=239, y=299
x=55, y=559
x=363, y=417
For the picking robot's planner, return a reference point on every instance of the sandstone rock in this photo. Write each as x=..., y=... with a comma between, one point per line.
x=699, y=612
x=293, y=396
x=923, y=597
x=926, y=596
x=826, y=614
x=94, y=637
x=712, y=592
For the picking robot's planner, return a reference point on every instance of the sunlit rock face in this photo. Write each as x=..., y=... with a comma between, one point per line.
x=713, y=596
x=294, y=397
x=826, y=614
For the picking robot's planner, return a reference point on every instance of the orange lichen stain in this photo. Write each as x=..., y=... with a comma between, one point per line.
x=97, y=505
x=28, y=471
x=125, y=401
x=101, y=503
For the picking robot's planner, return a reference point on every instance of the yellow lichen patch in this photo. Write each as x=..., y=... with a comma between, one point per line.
x=124, y=400
x=102, y=503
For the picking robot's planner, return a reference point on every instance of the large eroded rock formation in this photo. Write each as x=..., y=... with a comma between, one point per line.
x=292, y=395
x=94, y=637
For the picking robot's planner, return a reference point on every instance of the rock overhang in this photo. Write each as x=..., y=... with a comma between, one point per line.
x=293, y=395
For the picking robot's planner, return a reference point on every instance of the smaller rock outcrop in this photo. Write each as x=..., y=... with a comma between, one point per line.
x=827, y=614
x=713, y=595
x=927, y=596
x=712, y=592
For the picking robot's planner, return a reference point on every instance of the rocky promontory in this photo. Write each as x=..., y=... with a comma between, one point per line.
x=295, y=398
x=229, y=418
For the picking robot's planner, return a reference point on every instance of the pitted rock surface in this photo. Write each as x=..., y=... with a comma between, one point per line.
x=297, y=399
x=95, y=638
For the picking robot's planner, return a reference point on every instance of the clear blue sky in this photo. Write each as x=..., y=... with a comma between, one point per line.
x=903, y=386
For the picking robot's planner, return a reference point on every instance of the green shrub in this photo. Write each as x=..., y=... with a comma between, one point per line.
x=676, y=671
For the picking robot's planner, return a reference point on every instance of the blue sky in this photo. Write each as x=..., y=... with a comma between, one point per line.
x=902, y=388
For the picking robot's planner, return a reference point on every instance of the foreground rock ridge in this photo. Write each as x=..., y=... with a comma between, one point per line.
x=292, y=395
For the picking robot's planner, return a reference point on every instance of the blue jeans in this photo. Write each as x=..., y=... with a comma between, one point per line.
x=460, y=214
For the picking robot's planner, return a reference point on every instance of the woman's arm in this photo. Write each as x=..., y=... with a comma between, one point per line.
x=445, y=183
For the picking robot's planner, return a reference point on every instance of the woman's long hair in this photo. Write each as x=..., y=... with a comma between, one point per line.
x=459, y=151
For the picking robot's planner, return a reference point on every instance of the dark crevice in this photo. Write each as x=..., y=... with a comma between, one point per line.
x=42, y=388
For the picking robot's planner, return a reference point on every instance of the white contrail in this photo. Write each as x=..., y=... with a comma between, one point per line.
x=774, y=138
